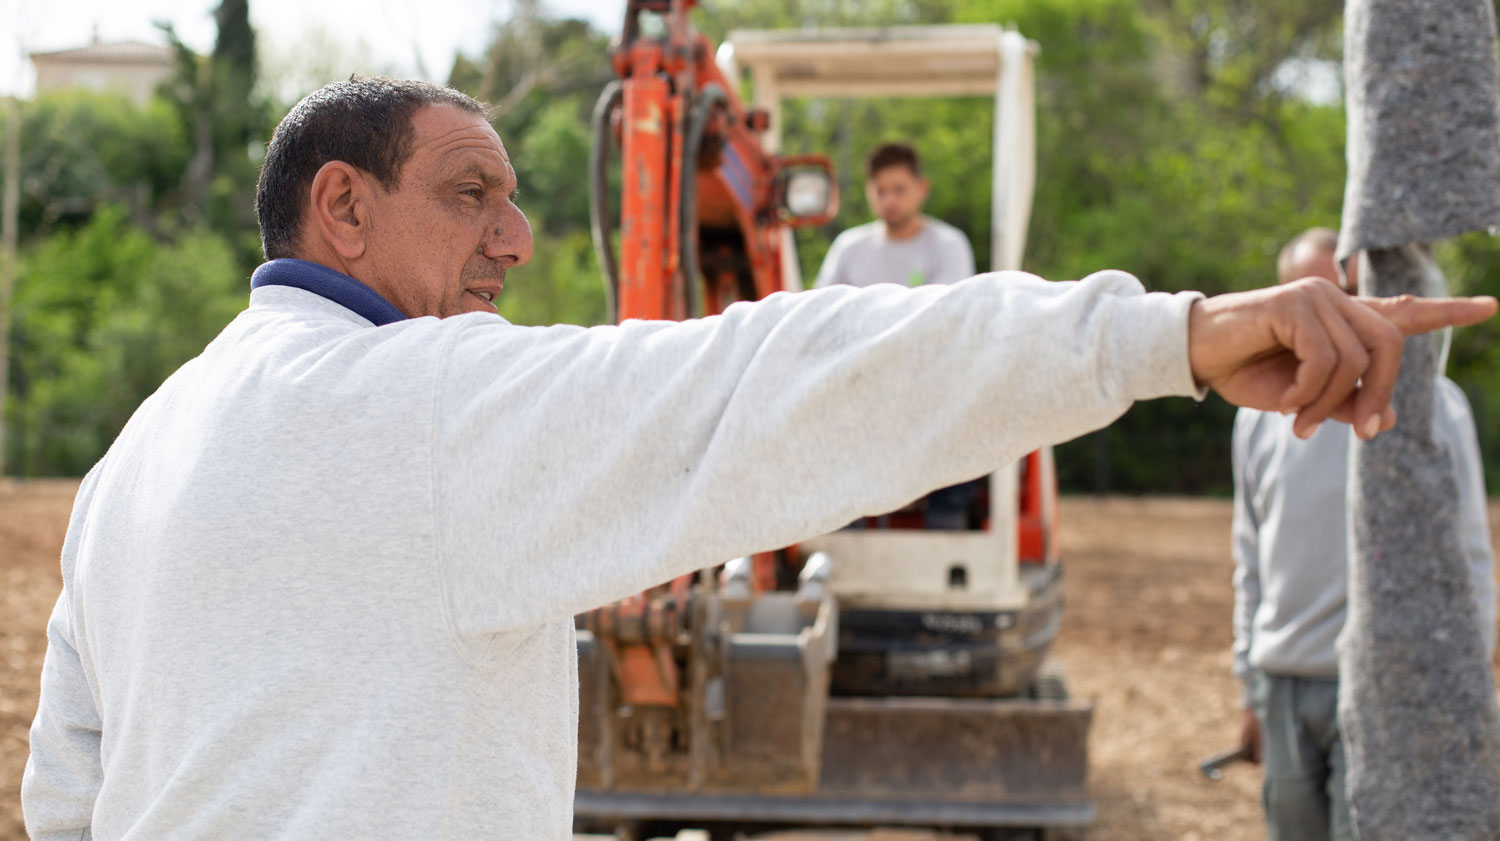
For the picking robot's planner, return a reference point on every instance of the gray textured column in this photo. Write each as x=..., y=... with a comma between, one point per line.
x=1424, y=128
x=1417, y=699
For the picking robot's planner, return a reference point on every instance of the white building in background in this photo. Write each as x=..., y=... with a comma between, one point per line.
x=131, y=68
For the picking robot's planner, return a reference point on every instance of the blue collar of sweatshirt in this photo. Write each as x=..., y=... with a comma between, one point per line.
x=328, y=283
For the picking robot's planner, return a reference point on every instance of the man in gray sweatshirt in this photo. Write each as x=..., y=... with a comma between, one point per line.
x=1290, y=582
x=322, y=585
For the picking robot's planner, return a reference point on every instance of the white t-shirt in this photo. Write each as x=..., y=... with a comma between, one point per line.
x=865, y=256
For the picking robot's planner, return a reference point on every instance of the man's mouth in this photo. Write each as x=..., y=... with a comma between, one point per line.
x=484, y=281
x=487, y=294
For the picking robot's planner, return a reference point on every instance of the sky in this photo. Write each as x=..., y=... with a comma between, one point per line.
x=416, y=38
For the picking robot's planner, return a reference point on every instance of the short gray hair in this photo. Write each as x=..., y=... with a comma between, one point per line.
x=364, y=121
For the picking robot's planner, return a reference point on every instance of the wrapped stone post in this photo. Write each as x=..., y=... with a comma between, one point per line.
x=1417, y=703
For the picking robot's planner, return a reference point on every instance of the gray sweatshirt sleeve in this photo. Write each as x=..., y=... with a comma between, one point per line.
x=65, y=769
x=1246, y=548
x=1456, y=426
x=576, y=466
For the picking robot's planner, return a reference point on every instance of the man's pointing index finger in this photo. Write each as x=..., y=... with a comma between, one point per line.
x=1413, y=315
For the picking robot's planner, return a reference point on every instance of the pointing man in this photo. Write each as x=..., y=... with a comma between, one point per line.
x=322, y=585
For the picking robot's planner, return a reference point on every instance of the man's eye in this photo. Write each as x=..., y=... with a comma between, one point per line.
x=472, y=192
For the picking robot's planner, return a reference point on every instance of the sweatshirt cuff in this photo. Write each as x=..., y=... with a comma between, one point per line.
x=1246, y=676
x=1153, y=346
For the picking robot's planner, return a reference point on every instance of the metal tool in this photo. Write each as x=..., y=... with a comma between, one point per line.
x=1213, y=767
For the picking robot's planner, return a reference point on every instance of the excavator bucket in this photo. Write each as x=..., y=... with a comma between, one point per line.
x=961, y=761
x=961, y=764
x=757, y=742
x=750, y=717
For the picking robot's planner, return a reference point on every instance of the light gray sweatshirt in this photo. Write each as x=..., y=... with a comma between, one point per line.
x=322, y=585
x=1291, y=542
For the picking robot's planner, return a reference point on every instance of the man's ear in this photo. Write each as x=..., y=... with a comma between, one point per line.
x=340, y=208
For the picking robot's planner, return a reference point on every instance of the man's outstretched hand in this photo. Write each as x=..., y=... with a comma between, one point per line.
x=1309, y=348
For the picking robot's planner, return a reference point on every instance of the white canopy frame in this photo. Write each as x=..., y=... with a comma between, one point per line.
x=954, y=60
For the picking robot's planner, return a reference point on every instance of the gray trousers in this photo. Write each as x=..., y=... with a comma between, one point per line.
x=1303, y=754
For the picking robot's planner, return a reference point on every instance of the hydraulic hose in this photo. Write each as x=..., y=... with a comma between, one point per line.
x=709, y=96
x=599, y=221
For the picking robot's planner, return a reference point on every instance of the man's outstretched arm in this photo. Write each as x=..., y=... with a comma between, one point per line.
x=579, y=466
x=635, y=453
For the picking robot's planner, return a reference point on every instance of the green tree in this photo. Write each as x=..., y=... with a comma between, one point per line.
x=102, y=315
x=1472, y=266
x=535, y=62
x=1170, y=146
x=289, y=70
x=217, y=102
x=551, y=154
x=80, y=150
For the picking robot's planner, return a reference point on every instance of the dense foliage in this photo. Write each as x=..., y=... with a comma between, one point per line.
x=1181, y=140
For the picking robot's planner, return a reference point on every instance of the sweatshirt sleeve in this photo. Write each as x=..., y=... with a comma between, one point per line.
x=1246, y=548
x=64, y=772
x=576, y=466
x=1456, y=425
x=65, y=769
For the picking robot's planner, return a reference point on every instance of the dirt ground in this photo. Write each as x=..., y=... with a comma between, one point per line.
x=1145, y=638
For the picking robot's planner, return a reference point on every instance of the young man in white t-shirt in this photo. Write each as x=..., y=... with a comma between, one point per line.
x=902, y=245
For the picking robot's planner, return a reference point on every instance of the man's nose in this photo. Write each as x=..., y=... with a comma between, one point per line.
x=509, y=239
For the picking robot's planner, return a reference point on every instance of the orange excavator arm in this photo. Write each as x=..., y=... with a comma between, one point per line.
x=702, y=206
x=702, y=214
